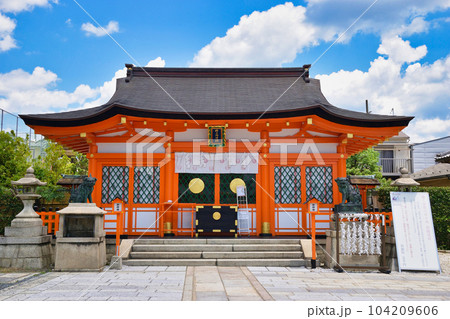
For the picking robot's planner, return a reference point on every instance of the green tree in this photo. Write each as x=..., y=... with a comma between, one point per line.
x=52, y=164
x=365, y=163
x=80, y=164
x=14, y=158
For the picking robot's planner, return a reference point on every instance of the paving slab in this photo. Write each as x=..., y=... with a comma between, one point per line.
x=225, y=283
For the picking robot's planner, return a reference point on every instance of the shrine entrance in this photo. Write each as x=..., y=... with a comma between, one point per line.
x=215, y=195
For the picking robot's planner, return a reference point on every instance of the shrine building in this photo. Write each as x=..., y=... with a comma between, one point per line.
x=173, y=140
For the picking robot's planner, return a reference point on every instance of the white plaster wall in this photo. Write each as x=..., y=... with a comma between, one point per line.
x=324, y=148
x=285, y=132
x=238, y=134
x=131, y=148
x=191, y=134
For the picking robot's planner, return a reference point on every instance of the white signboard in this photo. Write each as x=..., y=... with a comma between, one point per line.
x=414, y=231
x=117, y=207
x=216, y=163
x=240, y=190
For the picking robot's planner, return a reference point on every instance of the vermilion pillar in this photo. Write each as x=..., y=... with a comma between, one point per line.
x=265, y=186
x=342, y=163
x=92, y=169
x=169, y=198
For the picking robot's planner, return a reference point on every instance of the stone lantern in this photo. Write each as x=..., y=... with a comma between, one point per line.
x=26, y=243
x=25, y=189
x=404, y=182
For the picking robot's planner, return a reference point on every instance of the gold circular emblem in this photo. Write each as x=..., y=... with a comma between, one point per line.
x=236, y=182
x=216, y=215
x=196, y=185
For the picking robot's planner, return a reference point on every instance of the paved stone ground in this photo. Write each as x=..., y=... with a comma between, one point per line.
x=225, y=283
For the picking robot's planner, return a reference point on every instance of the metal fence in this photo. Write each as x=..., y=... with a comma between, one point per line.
x=12, y=122
x=391, y=166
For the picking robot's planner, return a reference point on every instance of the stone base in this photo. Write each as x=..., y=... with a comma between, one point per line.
x=26, y=245
x=80, y=254
x=116, y=263
x=26, y=253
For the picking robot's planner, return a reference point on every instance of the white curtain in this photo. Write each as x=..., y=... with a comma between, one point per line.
x=216, y=163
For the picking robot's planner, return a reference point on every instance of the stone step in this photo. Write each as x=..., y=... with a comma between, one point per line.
x=217, y=255
x=217, y=262
x=171, y=241
x=267, y=247
x=253, y=255
x=166, y=255
x=149, y=248
x=216, y=241
x=252, y=241
x=214, y=247
x=262, y=262
x=170, y=262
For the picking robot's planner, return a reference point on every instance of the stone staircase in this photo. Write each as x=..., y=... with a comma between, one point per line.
x=217, y=252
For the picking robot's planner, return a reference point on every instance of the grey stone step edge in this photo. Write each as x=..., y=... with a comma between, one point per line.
x=215, y=247
x=217, y=241
x=218, y=255
x=219, y=262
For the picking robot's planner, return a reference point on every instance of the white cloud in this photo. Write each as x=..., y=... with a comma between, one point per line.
x=36, y=92
x=276, y=36
x=381, y=18
x=419, y=90
x=156, y=63
x=90, y=29
x=421, y=130
x=267, y=38
x=23, y=92
x=7, y=25
x=23, y=5
x=400, y=51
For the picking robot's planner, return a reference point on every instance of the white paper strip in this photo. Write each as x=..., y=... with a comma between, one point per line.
x=216, y=163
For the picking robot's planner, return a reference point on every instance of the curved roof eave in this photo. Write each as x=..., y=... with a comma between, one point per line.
x=97, y=114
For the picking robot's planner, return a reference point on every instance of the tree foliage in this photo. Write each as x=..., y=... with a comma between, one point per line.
x=10, y=206
x=364, y=163
x=52, y=163
x=14, y=158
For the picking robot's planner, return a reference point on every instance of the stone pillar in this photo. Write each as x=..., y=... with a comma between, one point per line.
x=26, y=244
x=80, y=241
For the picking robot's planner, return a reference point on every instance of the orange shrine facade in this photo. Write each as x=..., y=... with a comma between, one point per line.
x=172, y=139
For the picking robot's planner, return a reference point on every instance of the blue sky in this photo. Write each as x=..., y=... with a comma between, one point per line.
x=54, y=56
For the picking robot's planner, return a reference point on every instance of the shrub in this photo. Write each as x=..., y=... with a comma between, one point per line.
x=10, y=206
x=440, y=208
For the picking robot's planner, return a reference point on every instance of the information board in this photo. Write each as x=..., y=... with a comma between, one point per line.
x=414, y=231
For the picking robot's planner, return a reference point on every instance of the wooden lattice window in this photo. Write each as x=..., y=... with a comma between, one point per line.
x=196, y=188
x=228, y=196
x=319, y=183
x=287, y=183
x=115, y=182
x=146, y=185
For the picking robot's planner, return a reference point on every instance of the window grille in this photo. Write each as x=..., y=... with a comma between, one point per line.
x=146, y=185
x=287, y=184
x=115, y=183
x=205, y=196
x=319, y=183
x=227, y=196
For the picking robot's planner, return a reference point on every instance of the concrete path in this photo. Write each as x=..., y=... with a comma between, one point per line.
x=224, y=283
